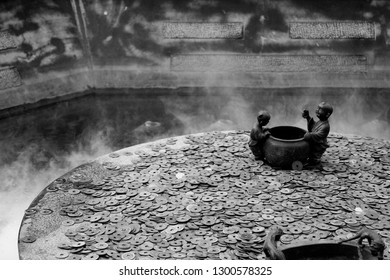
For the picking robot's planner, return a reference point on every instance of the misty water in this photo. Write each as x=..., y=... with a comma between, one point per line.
x=42, y=144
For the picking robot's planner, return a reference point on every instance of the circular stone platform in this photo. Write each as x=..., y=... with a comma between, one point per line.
x=204, y=197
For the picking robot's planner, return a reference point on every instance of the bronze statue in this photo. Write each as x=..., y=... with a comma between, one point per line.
x=377, y=246
x=259, y=134
x=318, y=132
x=270, y=247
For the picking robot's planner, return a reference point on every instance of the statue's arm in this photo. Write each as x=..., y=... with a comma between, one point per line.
x=310, y=123
x=319, y=135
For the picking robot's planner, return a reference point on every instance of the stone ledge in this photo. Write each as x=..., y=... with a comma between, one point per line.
x=71, y=84
x=268, y=63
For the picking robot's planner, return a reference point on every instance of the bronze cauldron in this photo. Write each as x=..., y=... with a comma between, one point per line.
x=326, y=250
x=286, y=146
x=313, y=250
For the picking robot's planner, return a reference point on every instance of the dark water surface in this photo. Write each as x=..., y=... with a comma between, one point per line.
x=41, y=144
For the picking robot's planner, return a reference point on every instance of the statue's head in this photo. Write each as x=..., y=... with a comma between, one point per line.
x=263, y=117
x=324, y=111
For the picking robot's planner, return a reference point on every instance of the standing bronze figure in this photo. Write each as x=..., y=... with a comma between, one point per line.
x=259, y=134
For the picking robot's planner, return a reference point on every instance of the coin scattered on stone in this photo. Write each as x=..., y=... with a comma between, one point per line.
x=68, y=223
x=128, y=256
x=62, y=255
x=31, y=211
x=46, y=211
x=29, y=239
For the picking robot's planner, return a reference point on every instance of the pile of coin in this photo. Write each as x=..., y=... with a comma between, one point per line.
x=210, y=199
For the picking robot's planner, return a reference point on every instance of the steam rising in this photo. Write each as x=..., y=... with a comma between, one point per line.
x=364, y=112
x=36, y=151
x=26, y=176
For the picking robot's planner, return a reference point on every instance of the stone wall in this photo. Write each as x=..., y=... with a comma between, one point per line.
x=41, y=55
x=54, y=48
